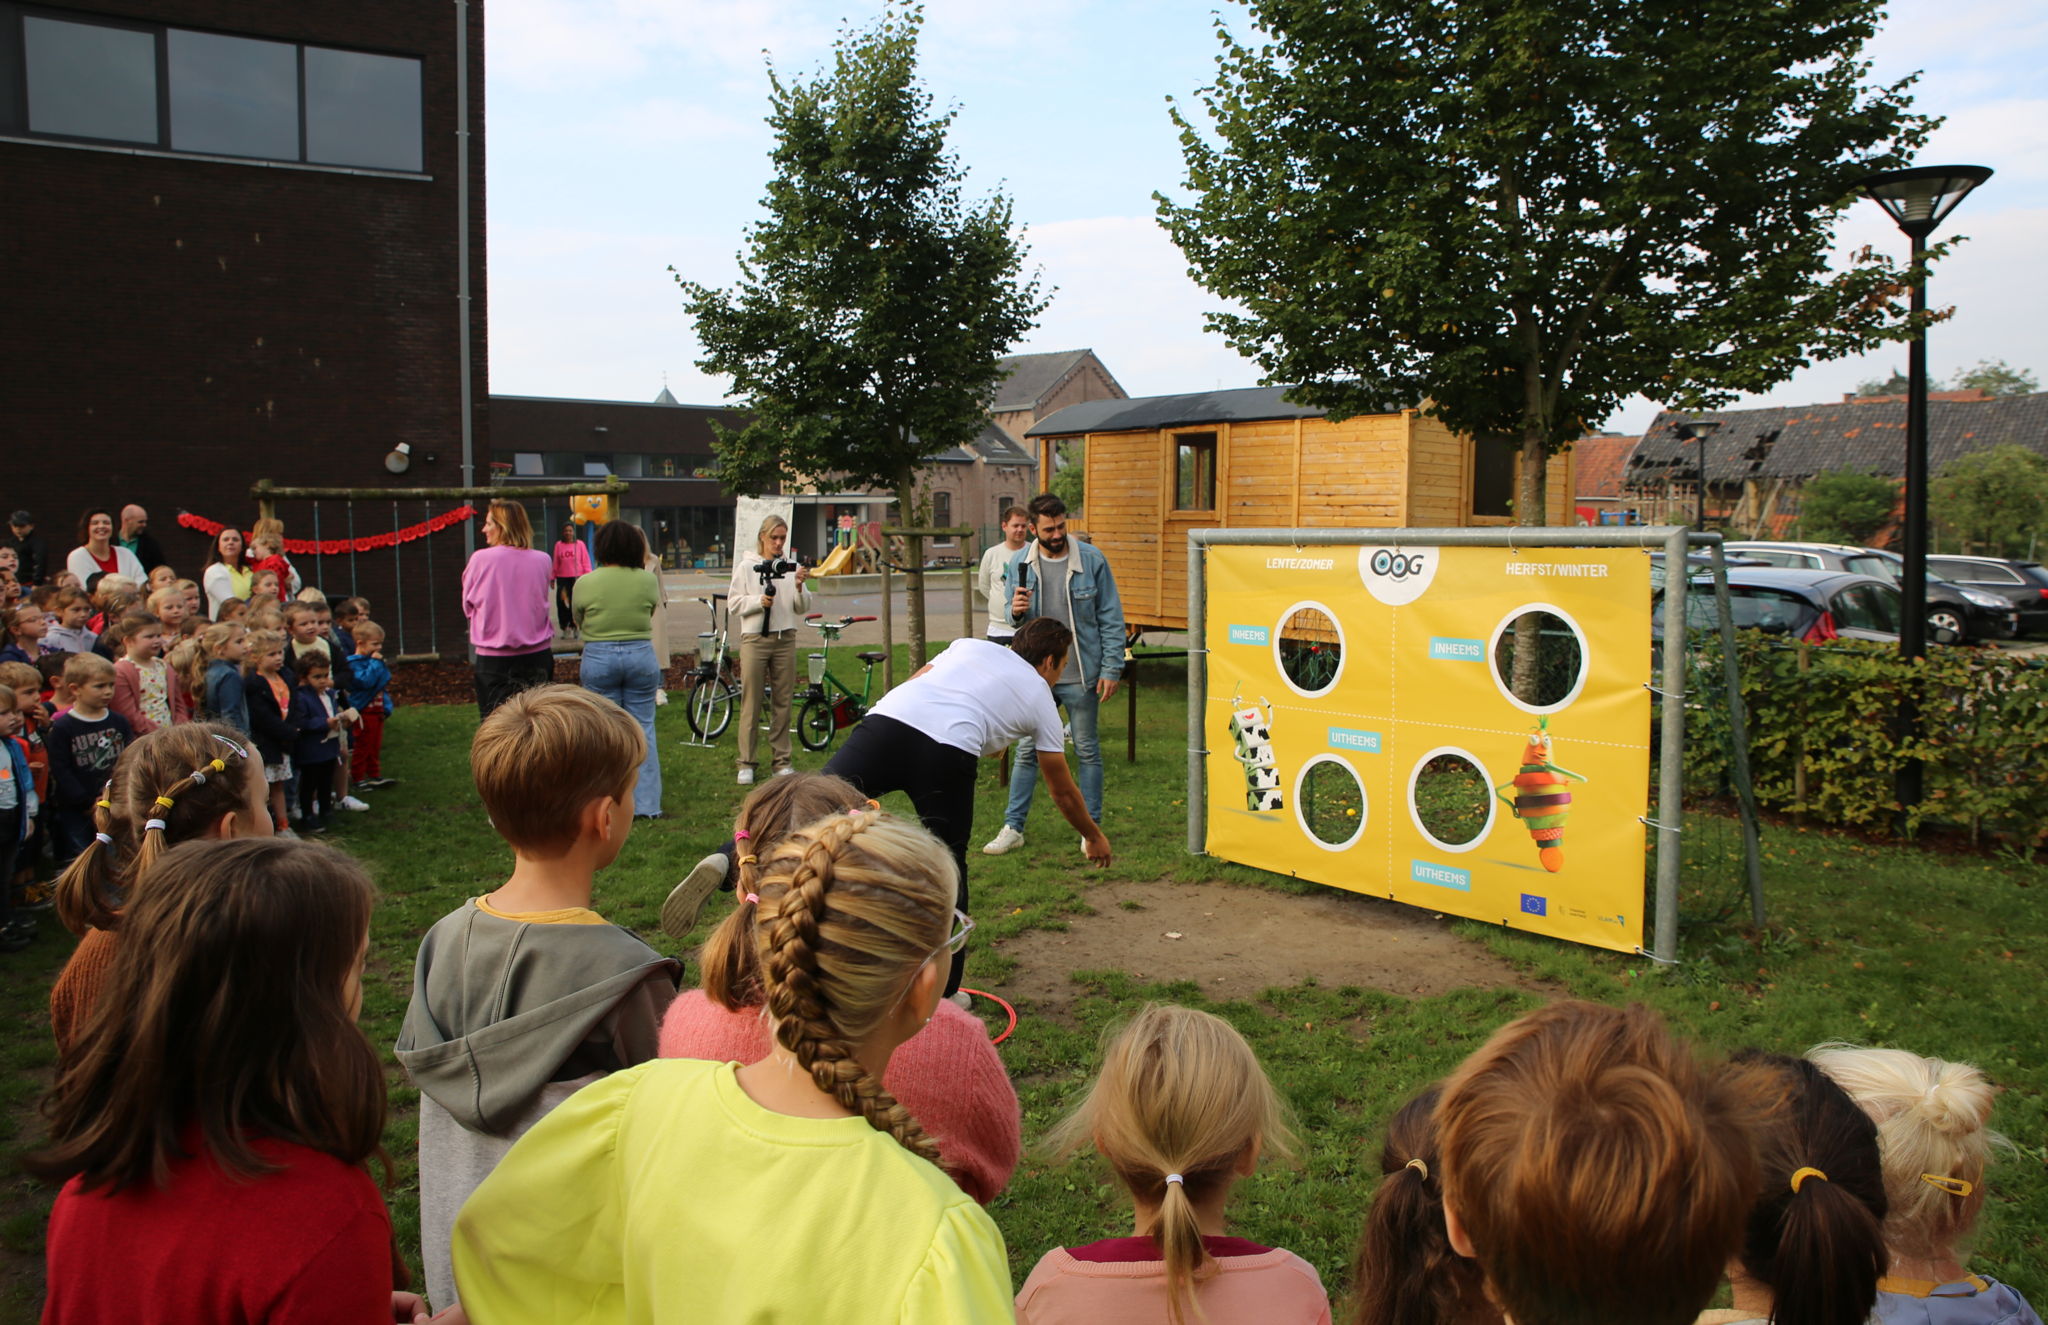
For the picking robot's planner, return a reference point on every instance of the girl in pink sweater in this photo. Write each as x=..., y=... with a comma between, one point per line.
x=947, y=1075
x=1180, y=1112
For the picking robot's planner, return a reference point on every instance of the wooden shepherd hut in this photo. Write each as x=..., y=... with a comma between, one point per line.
x=1157, y=466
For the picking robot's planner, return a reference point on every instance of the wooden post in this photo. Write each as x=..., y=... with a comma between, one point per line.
x=888, y=615
x=1799, y=744
x=266, y=508
x=1130, y=706
x=967, y=568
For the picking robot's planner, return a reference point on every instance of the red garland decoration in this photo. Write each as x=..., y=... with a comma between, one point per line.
x=335, y=547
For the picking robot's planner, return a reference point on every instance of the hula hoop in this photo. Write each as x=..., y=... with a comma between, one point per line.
x=1007, y=1030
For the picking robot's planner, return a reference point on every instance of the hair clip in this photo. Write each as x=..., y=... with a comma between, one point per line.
x=239, y=751
x=1420, y=1166
x=1800, y=1175
x=753, y=899
x=158, y=824
x=1953, y=1186
x=103, y=839
x=1175, y=1177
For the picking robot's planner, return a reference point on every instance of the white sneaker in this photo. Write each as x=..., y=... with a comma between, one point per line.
x=351, y=803
x=679, y=912
x=746, y=777
x=1007, y=840
x=785, y=772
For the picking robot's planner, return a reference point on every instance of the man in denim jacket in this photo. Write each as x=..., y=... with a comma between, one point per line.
x=1070, y=581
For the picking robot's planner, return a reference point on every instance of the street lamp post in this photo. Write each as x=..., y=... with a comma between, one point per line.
x=1918, y=200
x=1699, y=430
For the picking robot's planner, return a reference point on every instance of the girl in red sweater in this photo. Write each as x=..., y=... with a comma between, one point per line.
x=223, y=1085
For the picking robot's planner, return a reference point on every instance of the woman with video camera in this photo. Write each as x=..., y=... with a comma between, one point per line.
x=768, y=596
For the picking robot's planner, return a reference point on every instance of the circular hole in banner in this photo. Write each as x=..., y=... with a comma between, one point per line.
x=1555, y=674
x=1309, y=648
x=1450, y=798
x=1329, y=801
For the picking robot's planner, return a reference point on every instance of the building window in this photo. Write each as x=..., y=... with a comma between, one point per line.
x=562, y=464
x=1195, y=466
x=1003, y=504
x=527, y=464
x=596, y=465
x=1493, y=476
x=942, y=509
x=90, y=80
x=629, y=464
x=178, y=90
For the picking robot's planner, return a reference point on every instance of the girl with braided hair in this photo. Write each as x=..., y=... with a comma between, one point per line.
x=177, y=784
x=794, y=1188
x=948, y=1074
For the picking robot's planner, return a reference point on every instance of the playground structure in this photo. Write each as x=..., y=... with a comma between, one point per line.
x=1383, y=740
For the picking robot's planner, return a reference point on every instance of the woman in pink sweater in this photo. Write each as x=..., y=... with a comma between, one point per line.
x=505, y=597
x=948, y=1075
x=571, y=563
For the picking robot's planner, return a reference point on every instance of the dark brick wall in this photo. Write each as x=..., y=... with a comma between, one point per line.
x=176, y=329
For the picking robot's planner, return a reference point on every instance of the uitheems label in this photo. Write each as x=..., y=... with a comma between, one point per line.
x=1591, y=570
x=1299, y=563
x=1443, y=876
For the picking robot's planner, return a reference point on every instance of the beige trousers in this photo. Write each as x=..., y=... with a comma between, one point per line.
x=767, y=664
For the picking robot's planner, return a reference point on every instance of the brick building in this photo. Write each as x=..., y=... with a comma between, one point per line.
x=235, y=250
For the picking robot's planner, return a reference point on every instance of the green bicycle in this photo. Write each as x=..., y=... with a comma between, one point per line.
x=829, y=704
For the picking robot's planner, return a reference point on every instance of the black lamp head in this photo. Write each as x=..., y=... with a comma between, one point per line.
x=1919, y=199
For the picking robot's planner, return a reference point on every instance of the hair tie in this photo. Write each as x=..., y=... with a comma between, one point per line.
x=198, y=777
x=749, y=858
x=1800, y=1175
x=219, y=765
x=741, y=835
x=1419, y=1166
x=103, y=839
x=165, y=801
x=1953, y=1186
x=874, y=804
x=1176, y=1178
x=157, y=824
x=753, y=899
x=104, y=805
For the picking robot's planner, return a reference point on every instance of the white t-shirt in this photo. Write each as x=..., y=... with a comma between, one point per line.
x=993, y=563
x=979, y=696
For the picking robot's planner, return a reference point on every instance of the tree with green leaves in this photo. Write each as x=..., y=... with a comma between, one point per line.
x=1996, y=377
x=1846, y=506
x=1992, y=502
x=1520, y=213
x=874, y=300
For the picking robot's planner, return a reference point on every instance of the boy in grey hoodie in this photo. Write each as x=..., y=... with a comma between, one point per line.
x=522, y=996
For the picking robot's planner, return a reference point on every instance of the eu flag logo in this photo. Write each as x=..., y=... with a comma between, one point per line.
x=1534, y=905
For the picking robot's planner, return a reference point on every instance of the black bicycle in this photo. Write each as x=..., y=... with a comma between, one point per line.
x=712, y=687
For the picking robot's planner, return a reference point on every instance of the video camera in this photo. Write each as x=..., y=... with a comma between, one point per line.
x=774, y=568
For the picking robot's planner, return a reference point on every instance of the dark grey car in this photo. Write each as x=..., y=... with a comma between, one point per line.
x=2023, y=583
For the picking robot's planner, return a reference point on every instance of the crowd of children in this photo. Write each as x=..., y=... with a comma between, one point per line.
x=815, y=1134
x=91, y=664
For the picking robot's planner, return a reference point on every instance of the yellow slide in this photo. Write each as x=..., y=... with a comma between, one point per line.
x=836, y=563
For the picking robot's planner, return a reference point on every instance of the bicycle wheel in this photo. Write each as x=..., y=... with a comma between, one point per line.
x=709, y=709
x=814, y=723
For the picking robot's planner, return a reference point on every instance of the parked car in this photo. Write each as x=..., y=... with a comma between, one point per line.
x=1810, y=605
x=1697, y=563
x=2023, y=583
x=1971, y=613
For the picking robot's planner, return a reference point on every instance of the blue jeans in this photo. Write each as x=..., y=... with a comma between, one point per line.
x=626, y=673
x=1080, y=703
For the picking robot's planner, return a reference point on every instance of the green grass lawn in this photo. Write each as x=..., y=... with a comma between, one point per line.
x=1877, y=944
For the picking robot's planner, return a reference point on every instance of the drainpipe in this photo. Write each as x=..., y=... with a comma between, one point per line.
x=462, y=257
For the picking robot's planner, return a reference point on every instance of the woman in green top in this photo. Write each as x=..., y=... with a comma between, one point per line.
x=614, y=609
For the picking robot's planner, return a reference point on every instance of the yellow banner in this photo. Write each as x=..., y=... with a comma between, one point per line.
x=1464, y=729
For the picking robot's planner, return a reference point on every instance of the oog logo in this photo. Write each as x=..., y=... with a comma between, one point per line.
x=1398, y=576
x=1398, y=566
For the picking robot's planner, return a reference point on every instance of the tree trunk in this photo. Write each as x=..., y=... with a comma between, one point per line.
x=1530, y=509
x=906, y=512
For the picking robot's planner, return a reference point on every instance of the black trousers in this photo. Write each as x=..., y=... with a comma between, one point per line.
x=882, y=755
x=498, y=679
x=316, y=791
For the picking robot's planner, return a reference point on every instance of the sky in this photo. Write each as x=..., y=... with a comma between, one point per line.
x=628, y=136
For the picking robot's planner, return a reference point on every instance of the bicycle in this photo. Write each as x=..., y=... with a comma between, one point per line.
x=714, y=683
x=823, y=713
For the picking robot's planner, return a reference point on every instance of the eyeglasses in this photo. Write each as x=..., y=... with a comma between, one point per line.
x=963, y=925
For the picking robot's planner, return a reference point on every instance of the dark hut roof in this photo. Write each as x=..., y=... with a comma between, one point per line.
x=1145, y=413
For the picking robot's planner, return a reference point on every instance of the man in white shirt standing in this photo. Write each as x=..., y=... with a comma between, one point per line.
x=923, y=738
x=989, y=579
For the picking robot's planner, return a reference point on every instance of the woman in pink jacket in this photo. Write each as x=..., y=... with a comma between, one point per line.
x=505, y=597
x=572, y=560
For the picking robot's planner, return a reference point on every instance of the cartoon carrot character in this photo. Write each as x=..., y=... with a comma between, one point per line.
x=1541, y=799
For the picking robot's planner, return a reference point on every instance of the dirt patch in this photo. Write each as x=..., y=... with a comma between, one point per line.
x=1236, y=942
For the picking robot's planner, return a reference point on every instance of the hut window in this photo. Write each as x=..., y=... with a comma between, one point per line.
x=1195, y=489
x=1493, y=476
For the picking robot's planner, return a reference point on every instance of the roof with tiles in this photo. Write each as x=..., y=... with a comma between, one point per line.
x=1863, y=433
x=993, y=445
x=1030, y=378
x=1598, y=462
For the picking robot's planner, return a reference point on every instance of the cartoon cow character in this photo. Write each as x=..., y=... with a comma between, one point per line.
x=1251, y=729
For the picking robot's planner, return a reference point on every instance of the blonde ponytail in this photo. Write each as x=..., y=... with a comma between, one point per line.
x=1179, y=1105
